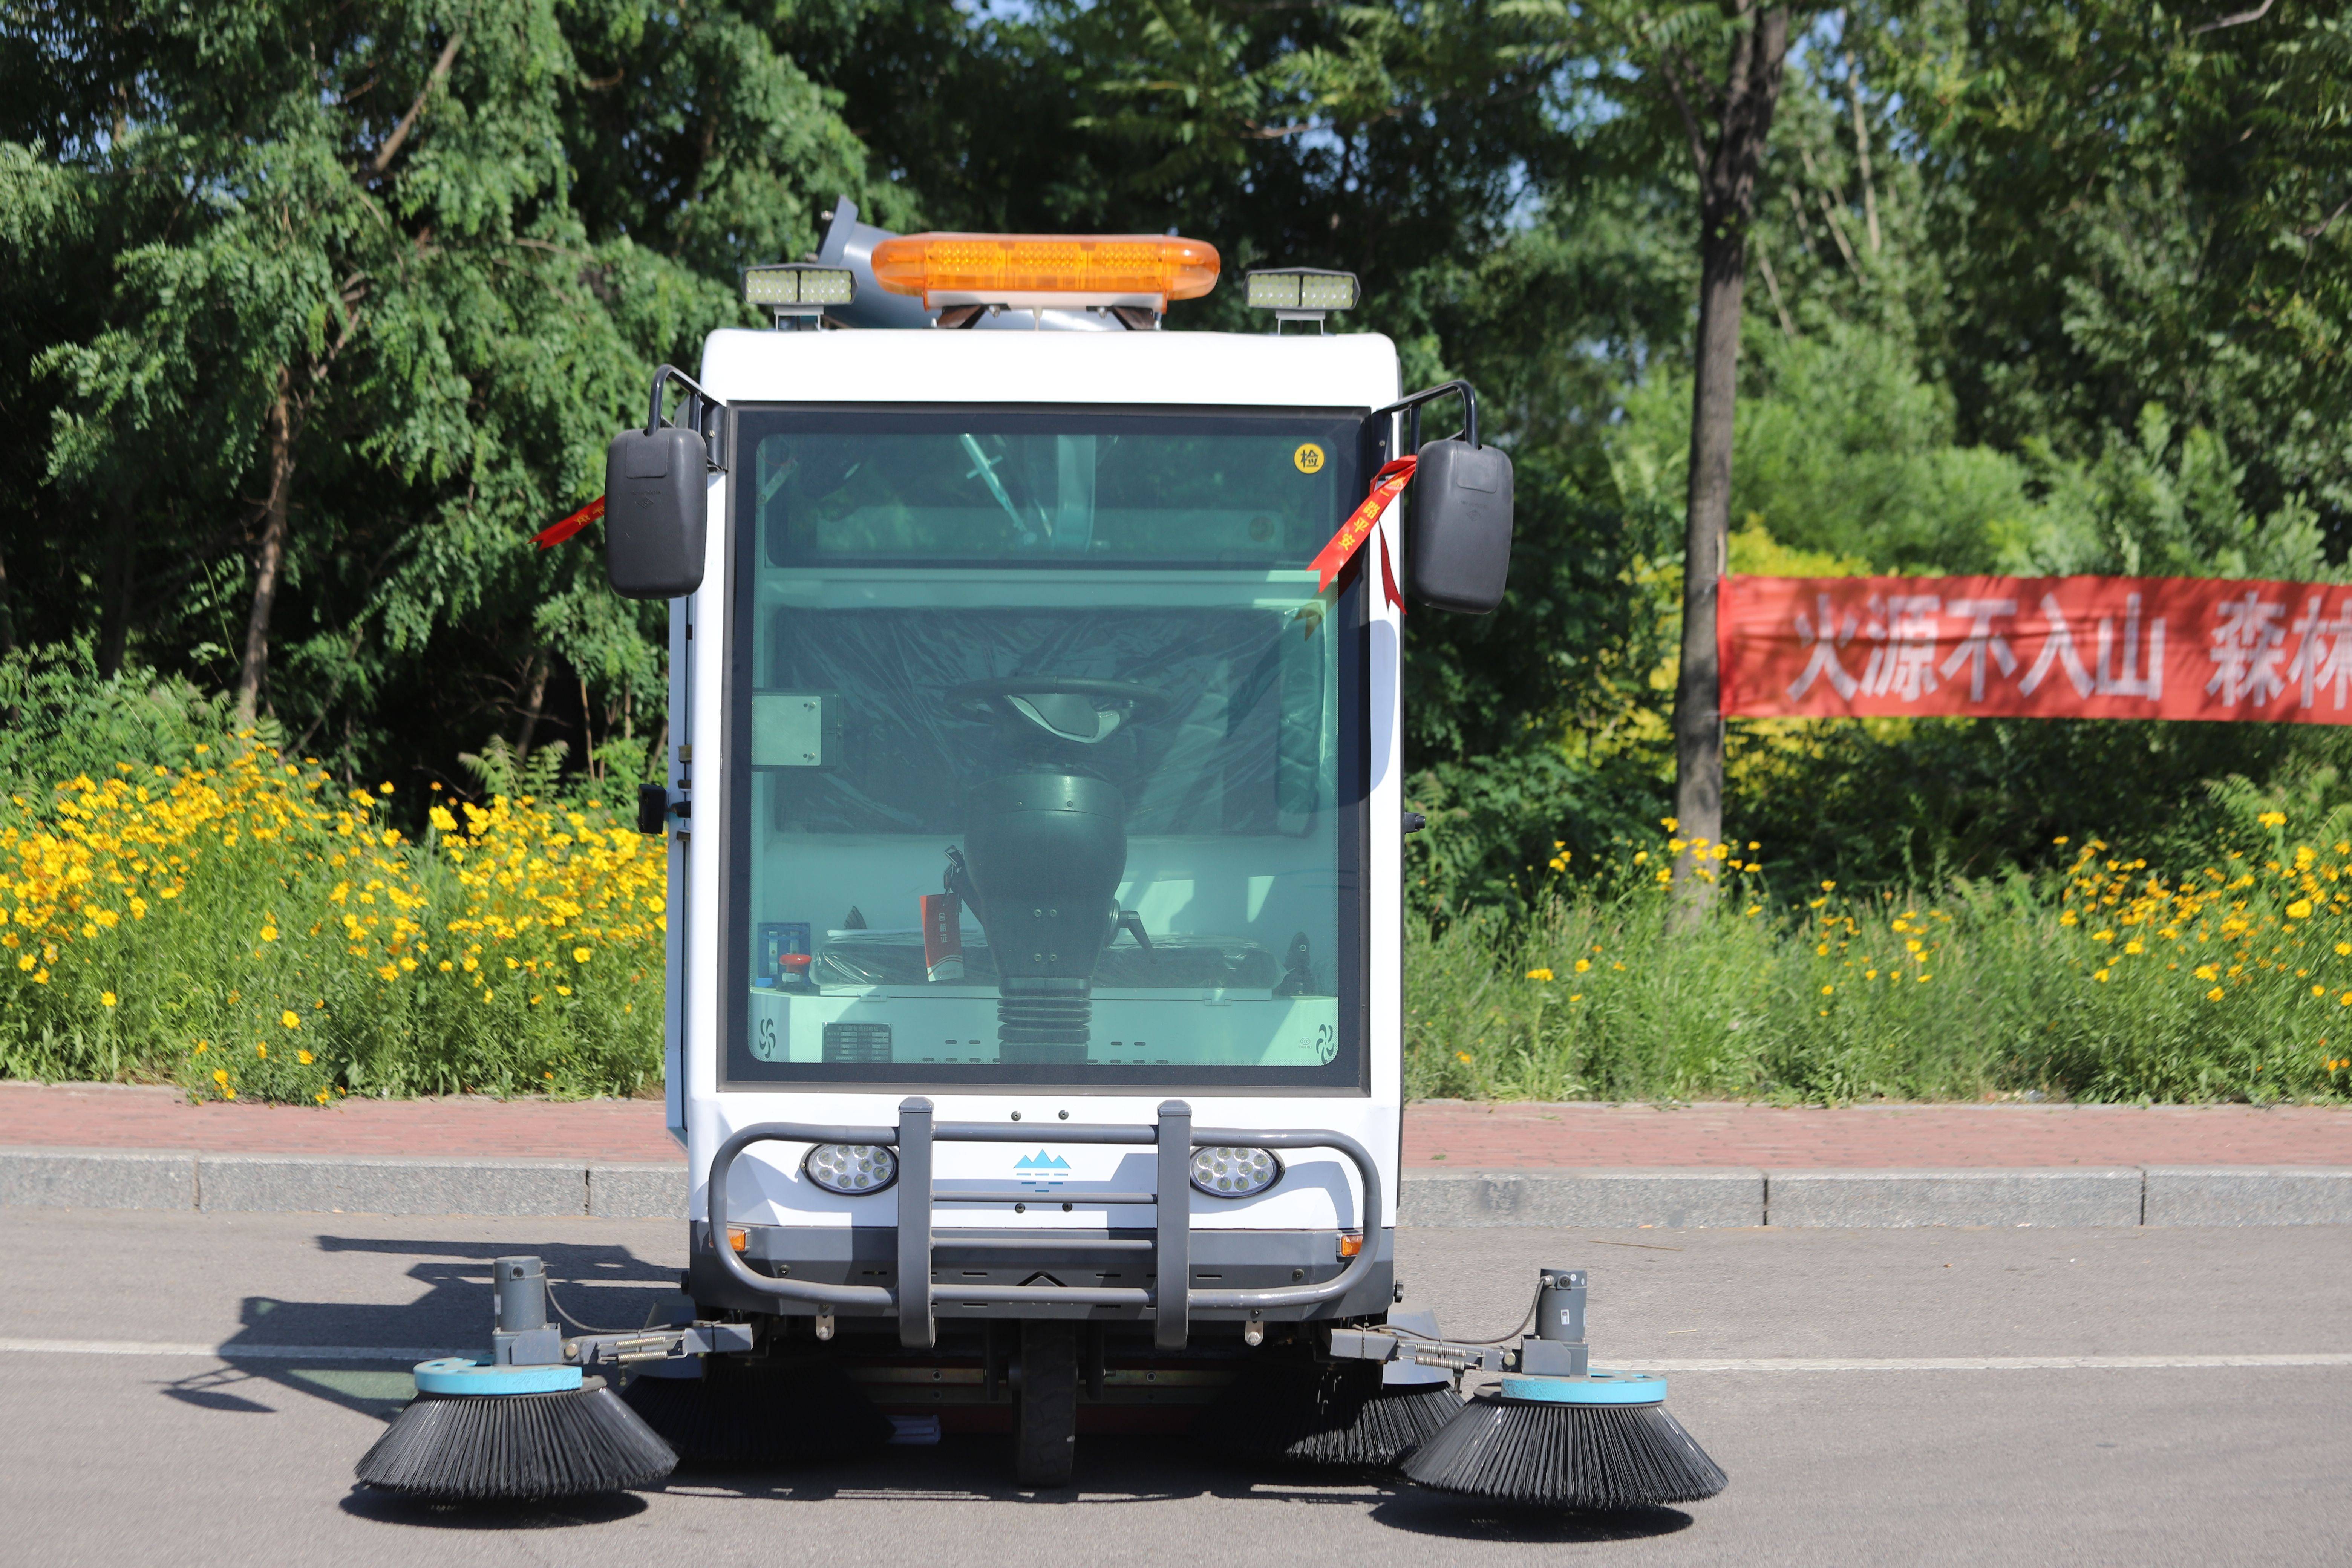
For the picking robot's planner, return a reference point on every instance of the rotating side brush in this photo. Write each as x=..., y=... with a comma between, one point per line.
x=1310, y=1411
x=1560, y=1433
x=519, y=1426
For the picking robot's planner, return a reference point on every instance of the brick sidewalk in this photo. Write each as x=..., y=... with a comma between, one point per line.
x=1438, y=1134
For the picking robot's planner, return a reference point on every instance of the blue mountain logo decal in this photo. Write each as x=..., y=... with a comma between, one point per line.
x=1041, y=1161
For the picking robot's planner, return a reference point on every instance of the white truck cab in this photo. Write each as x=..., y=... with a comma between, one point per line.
x=1034, y=814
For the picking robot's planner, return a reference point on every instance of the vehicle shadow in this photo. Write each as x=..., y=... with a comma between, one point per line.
x=605, y=1287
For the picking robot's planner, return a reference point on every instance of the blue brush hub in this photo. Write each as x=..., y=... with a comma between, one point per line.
x=455, y=1374
x=1597, y=1387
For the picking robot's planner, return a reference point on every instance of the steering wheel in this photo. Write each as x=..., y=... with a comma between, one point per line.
x=1064, y=707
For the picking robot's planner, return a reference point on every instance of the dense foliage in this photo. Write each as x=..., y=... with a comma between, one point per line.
x=315, y=312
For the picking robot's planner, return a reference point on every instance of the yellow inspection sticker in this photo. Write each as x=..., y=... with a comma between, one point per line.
x=1309, y=458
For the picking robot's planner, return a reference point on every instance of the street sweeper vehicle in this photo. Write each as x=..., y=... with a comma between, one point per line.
x=1035, y=819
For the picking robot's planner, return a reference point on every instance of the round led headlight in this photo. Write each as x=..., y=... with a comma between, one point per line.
x=1235, y=1173
x=851, y=1169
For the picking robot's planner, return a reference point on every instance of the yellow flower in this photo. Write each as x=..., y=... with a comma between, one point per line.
x=2101, y=977
x=262, y=1051
x=1540, y=975
x=290, y=1018
x=320, y=1097
x=107, y=997
x=1583, y=965
x=269, y=933
x=1671, y=824
x=2214, y=995
x=579, y=956
x=1827, y=989
x=2134, y=946
x=220, y=1075
x=203, y=1046
x=2299, y=910
x=304, y=1058
x=2273, y=819
x=1462, y=1055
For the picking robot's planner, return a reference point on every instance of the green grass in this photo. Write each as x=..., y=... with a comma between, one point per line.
x=2013, y=986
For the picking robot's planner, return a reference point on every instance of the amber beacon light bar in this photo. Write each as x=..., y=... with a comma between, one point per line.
x=1044, y=271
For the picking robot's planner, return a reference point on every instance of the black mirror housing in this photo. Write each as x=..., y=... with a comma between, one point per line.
x=656, y=512
x=1458, y=546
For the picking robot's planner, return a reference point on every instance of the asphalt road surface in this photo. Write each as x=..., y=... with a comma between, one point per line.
x=1794, y=1354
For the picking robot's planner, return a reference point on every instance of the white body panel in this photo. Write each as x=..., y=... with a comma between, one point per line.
x=1086, y=369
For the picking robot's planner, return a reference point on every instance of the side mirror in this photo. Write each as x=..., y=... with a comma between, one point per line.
x=1458, y=548
x=656, y=511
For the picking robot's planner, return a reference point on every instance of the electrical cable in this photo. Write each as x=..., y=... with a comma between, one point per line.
x=583, y=1327
x=1525, y=1324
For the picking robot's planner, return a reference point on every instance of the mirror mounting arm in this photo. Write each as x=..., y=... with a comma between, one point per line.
x=1411, y=407
x=697, y=411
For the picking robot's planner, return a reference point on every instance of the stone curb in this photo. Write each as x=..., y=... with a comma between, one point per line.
x=1847, y=1200
x=1598, y=1198
x=1712, y=1196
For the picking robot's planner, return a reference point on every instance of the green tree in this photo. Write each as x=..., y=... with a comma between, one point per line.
x=374, y=285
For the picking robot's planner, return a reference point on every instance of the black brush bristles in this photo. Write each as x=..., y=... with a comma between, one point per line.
x=1566, y=1456
x=1331, y=1412
x=478, y=1448
x=740, y=1412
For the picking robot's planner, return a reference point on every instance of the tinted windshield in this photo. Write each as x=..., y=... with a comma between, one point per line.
x=1038, y=771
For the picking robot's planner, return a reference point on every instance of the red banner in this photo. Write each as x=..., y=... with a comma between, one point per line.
x=555, y=533
x=1341, y=547
x=2036, y=648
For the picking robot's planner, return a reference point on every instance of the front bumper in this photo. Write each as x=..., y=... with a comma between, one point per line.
x=1251, y=1277
x=1252, y=1260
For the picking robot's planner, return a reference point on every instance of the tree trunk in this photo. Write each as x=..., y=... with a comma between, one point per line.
x=1726, y=203
x=7, y=613
x=269, y=558
x=532, y=704
x=115, y=582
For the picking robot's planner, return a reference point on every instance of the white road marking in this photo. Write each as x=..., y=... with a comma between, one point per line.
x=412, y=1353
x=1989, y=1362
x=409, y=1354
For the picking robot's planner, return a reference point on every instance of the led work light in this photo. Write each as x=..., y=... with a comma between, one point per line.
x=1301, y=288
x=798, y=289
x=851, y=1170
x=1235, y=1173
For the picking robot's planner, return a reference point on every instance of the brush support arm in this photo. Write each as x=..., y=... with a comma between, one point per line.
x=658, y=1345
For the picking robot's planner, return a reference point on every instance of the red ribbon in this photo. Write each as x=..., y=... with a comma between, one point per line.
x=1364, y=522
x=548, y=538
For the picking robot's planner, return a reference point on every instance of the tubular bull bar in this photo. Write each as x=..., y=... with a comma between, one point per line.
x=1171, y=1299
